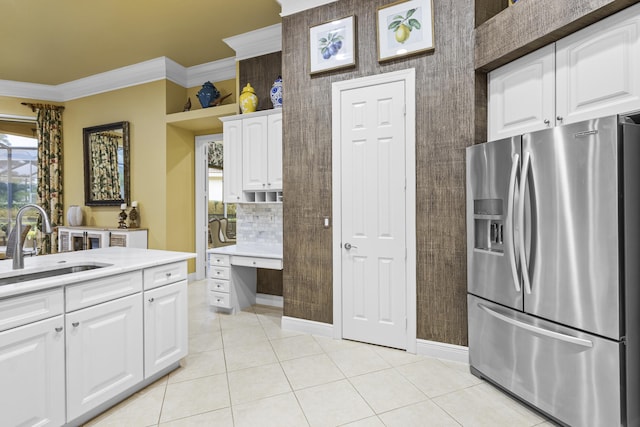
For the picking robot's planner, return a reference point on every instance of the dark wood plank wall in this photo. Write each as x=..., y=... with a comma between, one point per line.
x=445, y=125
x=531, y=24
x=261, y=72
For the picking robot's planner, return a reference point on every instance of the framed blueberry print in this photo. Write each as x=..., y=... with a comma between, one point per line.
x=332, y=45
x=405, y=28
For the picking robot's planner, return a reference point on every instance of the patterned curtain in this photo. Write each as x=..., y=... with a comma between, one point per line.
x=215, y=154
x=104, y=166
x=49, y=122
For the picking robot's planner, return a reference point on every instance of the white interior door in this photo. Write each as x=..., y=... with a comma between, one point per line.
x=373, y=235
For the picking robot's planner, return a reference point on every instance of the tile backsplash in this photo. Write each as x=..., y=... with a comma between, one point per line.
x=259, y=223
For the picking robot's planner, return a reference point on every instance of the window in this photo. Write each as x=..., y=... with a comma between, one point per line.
x=18, y=182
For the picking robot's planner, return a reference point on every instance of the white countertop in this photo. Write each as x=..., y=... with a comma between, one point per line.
x=119, y=260
x=250, y=249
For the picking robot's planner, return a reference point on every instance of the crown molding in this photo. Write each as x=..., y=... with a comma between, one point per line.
x=131, y=75
x=256, y=43
x=30, y=91
x=224, y=69
x=289, y=7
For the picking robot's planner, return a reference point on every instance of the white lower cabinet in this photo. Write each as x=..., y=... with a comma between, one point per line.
x=32, y=386
x=69, y=352
x=165, y=326
x=104, y=352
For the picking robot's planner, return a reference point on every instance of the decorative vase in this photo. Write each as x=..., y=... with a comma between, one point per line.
x=276, y=93
x=207, y=94
x=248, y=99
x=74, y=215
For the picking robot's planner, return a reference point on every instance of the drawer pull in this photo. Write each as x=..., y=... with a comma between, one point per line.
x=254, y=263
x=151, y=299
x=59, y=329
x=218, y=300
x=168, y=275
x=75, y=324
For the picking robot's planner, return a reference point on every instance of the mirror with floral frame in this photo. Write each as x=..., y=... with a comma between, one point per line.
x=106, y=164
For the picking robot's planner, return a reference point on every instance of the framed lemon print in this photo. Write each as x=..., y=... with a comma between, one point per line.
x=332, y=45
x=405, y=28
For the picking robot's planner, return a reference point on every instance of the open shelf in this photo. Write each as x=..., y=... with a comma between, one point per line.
x=201, y=120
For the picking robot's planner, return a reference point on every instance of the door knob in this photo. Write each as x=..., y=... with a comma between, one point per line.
x=348, y=246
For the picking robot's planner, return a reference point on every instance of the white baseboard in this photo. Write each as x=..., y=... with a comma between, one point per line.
x=307, y=326
x=440, y=350
x=270, y=300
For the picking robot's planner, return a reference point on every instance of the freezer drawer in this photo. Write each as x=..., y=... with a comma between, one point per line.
x=572, y=376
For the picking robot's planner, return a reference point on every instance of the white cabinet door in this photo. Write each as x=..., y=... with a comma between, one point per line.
x=104, y=352
x=274, y=155
x=597, y=69
x=522, y=95
x=32, y=374
x=165, y=326
x=232, y=161
x=254, y=153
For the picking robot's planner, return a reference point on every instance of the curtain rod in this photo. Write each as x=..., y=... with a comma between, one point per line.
x=35, y=107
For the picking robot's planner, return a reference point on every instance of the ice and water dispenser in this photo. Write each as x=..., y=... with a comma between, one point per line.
x=489, y=224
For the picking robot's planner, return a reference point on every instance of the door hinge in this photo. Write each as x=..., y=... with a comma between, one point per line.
x=406, y=323
x=404, y=110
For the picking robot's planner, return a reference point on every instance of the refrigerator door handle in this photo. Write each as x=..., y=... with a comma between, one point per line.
x=510, y=220
x=523, y=256
x=536, y=329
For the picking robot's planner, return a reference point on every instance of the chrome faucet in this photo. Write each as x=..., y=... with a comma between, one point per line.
x=18, y=256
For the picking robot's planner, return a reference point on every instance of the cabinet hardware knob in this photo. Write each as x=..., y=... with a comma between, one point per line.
x=546, y=122
x=254, y=263
x=168, y=275
x=75, y=324
x=559, y=118
x=59, y=329
x=151, y=299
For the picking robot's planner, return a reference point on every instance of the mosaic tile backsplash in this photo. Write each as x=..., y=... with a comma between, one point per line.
x=259, y=223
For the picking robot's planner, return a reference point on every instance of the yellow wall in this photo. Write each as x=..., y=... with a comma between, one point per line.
x=162, y=158
x=143, y=107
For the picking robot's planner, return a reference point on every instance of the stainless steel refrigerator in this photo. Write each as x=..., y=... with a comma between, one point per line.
x=553, y=238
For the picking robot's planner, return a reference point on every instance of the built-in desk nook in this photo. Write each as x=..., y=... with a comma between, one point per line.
x=231, y=273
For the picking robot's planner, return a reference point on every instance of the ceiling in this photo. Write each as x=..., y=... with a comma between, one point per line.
x=58, y=41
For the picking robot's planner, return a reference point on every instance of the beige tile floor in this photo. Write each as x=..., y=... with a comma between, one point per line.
x=245, y=371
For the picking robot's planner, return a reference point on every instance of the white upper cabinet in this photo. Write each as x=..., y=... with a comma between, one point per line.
x=253, y=157
x=274, y=155
x=597, y=69
x=254, y=153
x=232, y=161
x=522, y=95
x=592, y=73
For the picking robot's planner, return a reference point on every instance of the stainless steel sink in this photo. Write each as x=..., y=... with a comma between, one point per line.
x=58, y=271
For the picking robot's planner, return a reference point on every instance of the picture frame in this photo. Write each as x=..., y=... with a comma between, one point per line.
x=404, y=28
x=332, y=45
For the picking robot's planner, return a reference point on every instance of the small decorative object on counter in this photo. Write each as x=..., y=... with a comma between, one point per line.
x=207, y=94
x=123, y=216
x=74, y=215
x=133, y=215
x=248, y=99
x=276, y=93
x=187, y=106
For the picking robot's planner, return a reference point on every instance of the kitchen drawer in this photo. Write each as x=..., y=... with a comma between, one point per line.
x=165, y=274
x=270, y=263
x=220, y=299
x=97, y=291
x=219, y=273
x=18, y=311
x=219, y=285
x=218, y=259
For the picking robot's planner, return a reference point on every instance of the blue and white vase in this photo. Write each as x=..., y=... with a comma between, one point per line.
x=207, y=94
x=276, y=93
